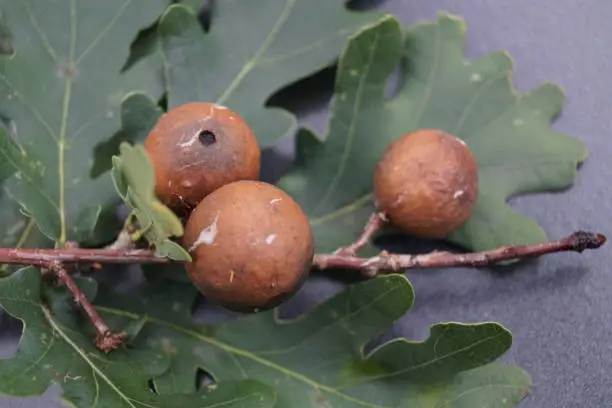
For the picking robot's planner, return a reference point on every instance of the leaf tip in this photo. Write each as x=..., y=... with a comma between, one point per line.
x=453, y=18
x=387, y=21
x=175, y=19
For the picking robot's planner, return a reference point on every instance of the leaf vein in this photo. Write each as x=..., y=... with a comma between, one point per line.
x=250, y=64
x=351, y=130
x=43, y=37
x=425, y=364
x=244, y=353
x=238, y=364
x=97, y=397
x=103, y=32
x=467, y=392
x=231, y=401
x=64, y=126
x=467, y=110
x=56, y=327
x=31, y=108
x=303, y=49
x=77, y=133
x=347, y=209
x=333, y=324
x=429, y=83
x=488, y=123
x=35, y=363
x=26, y=175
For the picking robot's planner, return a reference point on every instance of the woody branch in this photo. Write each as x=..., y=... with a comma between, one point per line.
x=55, y=261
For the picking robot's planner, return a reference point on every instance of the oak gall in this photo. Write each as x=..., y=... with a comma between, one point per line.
x=198, y=147
x=251, y=246
x=426, y=183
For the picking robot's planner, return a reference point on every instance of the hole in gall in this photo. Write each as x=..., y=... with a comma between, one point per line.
x=207, y=137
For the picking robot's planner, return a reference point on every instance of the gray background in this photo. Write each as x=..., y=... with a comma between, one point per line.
x=558, y=308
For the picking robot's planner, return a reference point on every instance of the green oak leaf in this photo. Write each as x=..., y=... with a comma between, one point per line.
x=134, y=180
x=508, y=132
x=139, y=115
x=61, y=92
x=318, y=359
x=19, y=229
x=487, y=386
x=241, y=65
x=146, y=44
x=56, y=347
x=18, y=234
x=6, y=40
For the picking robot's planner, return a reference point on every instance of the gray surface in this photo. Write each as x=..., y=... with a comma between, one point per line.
x=558, y=308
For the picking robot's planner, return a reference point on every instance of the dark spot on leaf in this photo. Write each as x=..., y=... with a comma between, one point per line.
x=67, y=70
x=203, y=379
x=6, y=46
x=6, y=38
x=9, y=125
x=207, y=137
x=205, y=14
x=168, y=347
x=322, y=401
x=152, y=386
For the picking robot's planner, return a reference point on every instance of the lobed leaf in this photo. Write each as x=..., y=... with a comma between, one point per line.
x=18, y=228
x=71, y=91
x=241, y=65
x=56, y=347
x=134, y=180
x=139, y=114
x=61, y=91
x=508, y=132
x=318, y=359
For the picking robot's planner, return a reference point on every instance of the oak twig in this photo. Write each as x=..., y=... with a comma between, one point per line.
x=55, y=261
x=385, y=262
x=42, y=257
x=577, y=242
x=373, y=225
x=105, y=340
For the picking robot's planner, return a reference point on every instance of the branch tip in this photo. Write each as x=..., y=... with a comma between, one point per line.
x=105, y=340
x=109, y=341
x=582, y=240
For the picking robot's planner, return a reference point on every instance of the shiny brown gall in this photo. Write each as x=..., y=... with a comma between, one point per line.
x=426, y=183
x=198, y=147
x=251, y=246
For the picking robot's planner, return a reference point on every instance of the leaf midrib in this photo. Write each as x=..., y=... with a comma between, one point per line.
x=355, y=205
x=249, y=355
x=429, y=362
x=254, y=60
x=347, y=209
x=442, y=404
x=61, y=144
x=243, y=353
x=57, y=328
x=362, y=200
x=348, y=145
x=70, y=68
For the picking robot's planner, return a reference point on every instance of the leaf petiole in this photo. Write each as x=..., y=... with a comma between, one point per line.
x=139, y=234
x=106, y=340
x=385, y=262
x=374, y=224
